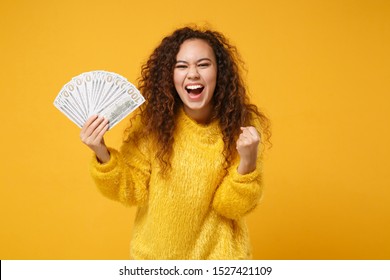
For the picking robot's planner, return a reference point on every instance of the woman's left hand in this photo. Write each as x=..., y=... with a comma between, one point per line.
x=247, y=147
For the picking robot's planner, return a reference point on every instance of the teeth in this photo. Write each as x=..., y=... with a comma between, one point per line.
x=194, y=87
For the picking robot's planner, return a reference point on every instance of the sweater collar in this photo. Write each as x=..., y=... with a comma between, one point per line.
x=207, y=133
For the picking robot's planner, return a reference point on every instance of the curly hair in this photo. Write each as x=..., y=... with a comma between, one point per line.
x=231, y=104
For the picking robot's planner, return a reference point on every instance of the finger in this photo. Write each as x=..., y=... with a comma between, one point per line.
x=103, y=131
x=92, y=127
x=246, y=135
x=251, y=132
x=86, y=125
x=238, y=144
x=90, y=120
x=98, y=131
x=86, y=133
x=243, y=142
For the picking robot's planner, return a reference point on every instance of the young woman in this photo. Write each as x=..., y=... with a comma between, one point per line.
x=190, y=161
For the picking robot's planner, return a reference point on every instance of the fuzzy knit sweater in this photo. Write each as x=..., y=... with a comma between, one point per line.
x=197, y=210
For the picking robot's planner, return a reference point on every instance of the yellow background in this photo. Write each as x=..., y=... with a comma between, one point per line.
x=319, y=69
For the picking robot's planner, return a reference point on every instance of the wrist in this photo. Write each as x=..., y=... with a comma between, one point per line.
x=103, y=155
x=246, y=167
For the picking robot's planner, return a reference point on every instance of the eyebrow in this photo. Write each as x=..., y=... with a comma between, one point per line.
x=199, y=60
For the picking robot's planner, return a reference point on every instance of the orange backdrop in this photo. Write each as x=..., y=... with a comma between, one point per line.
x=319, y=69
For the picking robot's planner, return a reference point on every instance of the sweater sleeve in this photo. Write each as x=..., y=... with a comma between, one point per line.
x=238, y=194
x=125, y=177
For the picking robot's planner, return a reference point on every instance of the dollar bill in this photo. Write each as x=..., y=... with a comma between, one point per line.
x=98, y=92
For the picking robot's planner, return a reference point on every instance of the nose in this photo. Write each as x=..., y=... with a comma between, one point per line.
x=192, y=73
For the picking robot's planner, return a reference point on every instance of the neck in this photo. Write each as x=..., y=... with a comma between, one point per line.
x=200, y=116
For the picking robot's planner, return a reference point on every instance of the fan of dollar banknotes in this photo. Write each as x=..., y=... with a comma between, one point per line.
x=102, y=93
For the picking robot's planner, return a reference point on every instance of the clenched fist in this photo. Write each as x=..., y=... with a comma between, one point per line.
x=247, y=147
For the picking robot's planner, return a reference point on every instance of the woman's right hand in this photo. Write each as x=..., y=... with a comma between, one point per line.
x=92, y=135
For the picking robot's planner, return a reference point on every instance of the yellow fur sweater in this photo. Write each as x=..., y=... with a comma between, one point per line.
x=196, y=211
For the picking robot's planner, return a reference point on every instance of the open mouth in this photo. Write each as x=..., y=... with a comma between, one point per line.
x=194, y=89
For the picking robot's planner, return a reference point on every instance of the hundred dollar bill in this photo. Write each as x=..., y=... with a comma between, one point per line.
x=98, y=92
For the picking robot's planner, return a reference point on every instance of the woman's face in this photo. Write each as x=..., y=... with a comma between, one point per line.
x=195, y=77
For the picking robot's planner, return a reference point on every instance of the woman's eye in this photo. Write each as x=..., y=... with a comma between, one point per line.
x=204, y=65
x=181, y=66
